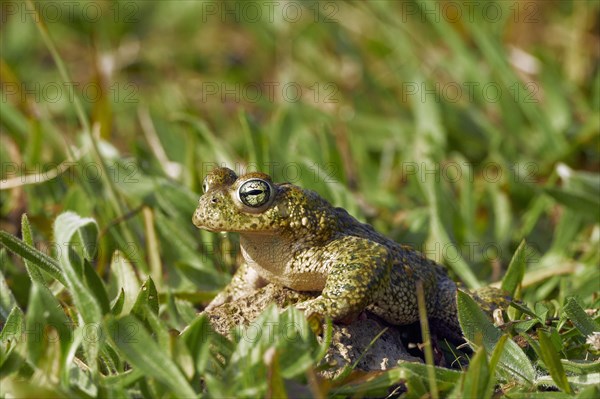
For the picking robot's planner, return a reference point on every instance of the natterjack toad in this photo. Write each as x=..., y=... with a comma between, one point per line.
x=295, y=238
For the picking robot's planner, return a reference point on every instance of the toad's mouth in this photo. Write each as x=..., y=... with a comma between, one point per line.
x=213, y=223
x=203, y=222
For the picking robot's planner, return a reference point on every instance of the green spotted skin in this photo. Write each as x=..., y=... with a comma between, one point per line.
x=295, y=238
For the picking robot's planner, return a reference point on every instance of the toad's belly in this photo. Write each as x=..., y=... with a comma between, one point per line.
x=296, y=280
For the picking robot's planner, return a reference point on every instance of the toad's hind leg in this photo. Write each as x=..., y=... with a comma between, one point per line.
x=444, y=315
x=398, y=303
x=355, y=277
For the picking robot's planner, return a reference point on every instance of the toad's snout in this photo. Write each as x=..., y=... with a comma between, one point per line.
x=206, y=216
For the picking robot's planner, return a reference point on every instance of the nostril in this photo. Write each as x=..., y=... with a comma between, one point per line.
x=214, y=200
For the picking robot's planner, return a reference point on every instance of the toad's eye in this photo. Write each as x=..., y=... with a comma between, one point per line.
x=255, y=193
x=204, y=186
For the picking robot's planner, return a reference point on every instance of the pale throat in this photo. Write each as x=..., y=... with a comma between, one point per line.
x=268, y=252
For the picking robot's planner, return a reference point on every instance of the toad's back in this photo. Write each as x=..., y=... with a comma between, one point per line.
x=397, y=301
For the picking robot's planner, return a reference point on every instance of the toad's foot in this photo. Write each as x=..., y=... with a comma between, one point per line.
x=244, y=282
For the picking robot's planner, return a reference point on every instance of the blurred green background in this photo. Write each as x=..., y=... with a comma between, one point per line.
x=460, y=128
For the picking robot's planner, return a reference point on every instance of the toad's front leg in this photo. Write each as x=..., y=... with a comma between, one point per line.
x=355, y=276
x=244, y=282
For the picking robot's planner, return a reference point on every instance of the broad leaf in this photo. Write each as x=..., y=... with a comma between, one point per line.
x=474, y=322
x=68, y=228
x=580, y=319
x=126, y=279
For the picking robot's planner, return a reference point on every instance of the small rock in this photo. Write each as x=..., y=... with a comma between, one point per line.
x=349, y=342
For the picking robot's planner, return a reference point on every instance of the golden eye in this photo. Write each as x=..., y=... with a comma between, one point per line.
x=255, y=193
x=204, y=186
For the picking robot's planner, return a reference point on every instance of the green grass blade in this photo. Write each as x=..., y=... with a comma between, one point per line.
x=494, y=53
x=43, y=261
x=148, y=296
x=552, y=362
x=45, y=310
x=590, y=392
x=540, y=395
x=376, y=383
x=478, y=377
x=117, y=306
x=275, y=381
x=585, y=380
x=144, y=354
x=32, y=269
x=109, y=184
x=576, y=381
x=580, y=319
x=416, y=375
x=43, y=29
x=13, y=120
x=581, y=366
x=502, y=213
x=157, y=328
x=516, y=269
x=7, y=299
x=197, y=337
x=94, y=283
x=426, y=338
x=583, y=203
x=13, y=327
x=494, y=360
x=440, y=235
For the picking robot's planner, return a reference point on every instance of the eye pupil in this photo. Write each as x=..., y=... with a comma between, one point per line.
x=255, y=193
